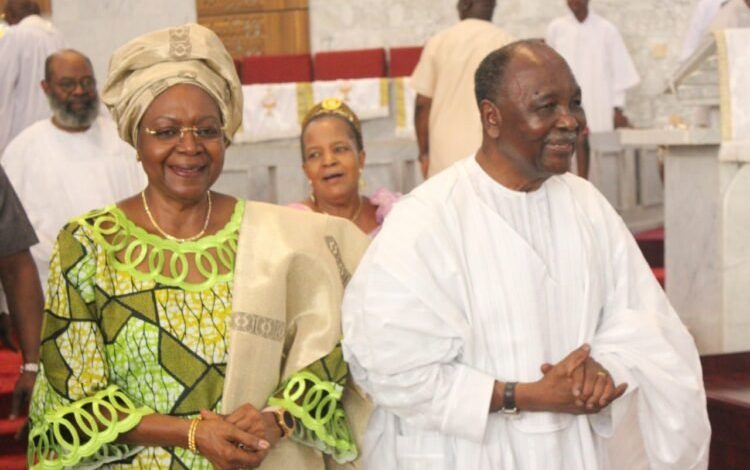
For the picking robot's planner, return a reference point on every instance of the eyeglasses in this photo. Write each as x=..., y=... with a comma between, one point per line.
x=175, y=134
x=68, y=85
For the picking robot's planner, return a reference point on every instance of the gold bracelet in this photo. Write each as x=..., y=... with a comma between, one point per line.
x=191, y=435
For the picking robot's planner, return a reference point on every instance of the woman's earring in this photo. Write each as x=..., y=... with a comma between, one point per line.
x=312, y=192
x=362, y=182
x=137, y=157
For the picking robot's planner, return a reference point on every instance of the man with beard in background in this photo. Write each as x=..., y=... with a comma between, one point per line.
x=73, y=162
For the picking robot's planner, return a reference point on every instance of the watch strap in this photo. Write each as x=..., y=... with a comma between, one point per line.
x=284, y=420
x=509, y=398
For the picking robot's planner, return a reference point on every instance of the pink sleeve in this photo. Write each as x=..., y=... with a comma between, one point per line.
x=384, y=200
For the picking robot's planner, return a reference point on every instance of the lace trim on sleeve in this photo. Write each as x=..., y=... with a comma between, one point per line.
x=82, y=431
x=316, y=404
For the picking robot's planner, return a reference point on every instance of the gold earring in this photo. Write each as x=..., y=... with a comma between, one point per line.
x=362, y=182
x=137, y=157
x=312, y=192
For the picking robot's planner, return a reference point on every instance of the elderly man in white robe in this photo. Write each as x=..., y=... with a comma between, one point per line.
x=70, y=163
x=24, y=46
x=595, y=50
x=504, y=318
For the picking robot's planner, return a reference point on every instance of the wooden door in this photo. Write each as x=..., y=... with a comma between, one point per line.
x=258, y=27
x=44, y=5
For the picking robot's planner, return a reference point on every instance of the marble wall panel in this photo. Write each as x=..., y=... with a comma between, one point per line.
x=736, y=257
x=98, y=27
x=692, y=253
x=652, y=29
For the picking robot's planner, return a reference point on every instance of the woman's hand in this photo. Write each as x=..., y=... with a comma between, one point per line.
x=576, y=385
x=250, y=420
x=228, y=446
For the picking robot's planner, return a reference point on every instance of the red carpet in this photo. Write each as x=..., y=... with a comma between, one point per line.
x=651, y=244
x=12, y=452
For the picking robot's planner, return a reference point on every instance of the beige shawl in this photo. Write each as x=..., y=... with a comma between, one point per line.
x=291, y=270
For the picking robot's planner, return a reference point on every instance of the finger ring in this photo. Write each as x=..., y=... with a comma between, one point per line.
x=241, y=446
x=602, y=373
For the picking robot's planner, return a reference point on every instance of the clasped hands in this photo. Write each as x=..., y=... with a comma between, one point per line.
x=576, y=385
x=239, y=440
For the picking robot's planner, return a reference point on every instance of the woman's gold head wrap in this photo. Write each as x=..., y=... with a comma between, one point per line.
x=146, y=66
x=335, y=107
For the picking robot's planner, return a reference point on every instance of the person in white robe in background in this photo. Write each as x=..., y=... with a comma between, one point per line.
x=595, y=50
x=507, y=282
x=71, y=163
x=23, y=49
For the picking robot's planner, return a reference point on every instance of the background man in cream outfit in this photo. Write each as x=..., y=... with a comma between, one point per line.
x=446, y=118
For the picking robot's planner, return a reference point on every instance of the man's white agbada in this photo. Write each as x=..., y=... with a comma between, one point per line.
x=469, y=282
x=59, y=175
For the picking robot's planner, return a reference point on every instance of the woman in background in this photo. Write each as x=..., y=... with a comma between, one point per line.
x=333, y=158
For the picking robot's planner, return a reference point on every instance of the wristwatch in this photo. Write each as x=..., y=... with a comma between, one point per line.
x=509, y=399
x=284, y=419
x=30, y=367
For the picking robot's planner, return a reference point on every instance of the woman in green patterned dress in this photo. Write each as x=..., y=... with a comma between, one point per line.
x=143, y=296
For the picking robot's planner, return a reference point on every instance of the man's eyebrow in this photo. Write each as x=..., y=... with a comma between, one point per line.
x=541, y=95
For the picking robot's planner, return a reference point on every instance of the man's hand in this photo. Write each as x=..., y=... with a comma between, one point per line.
x=620, y=120
x=424, y=164
x=591, y=385
x=22, y=393
x=565, y=384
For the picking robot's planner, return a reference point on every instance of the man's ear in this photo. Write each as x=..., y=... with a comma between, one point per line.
x=45, y=86
x=491, y=118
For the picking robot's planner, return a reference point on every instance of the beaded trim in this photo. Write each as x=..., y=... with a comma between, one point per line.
x=118, y=235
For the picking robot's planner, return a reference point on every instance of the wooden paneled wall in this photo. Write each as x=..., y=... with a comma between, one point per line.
x=44, y=5
x=258, y=27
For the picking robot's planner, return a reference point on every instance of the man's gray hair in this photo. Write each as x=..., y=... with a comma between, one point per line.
x=490, y=74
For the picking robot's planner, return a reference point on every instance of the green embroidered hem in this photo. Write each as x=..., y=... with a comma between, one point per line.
x=313, y=397
x=119, y=236
x=73, y=433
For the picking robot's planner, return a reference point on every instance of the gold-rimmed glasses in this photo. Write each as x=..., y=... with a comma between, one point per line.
x=176, y=133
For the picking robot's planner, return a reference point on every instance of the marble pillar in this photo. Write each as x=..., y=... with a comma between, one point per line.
x=707, y=248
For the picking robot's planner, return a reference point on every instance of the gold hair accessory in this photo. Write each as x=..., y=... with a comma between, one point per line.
x=192, y=447
x=333, y=107
x=171, y=237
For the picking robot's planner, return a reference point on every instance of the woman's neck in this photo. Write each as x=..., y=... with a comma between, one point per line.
x=348, y=208
x=179, y=218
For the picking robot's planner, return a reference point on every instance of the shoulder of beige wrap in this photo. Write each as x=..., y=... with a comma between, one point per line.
x=289, y=279
x=290, y=274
